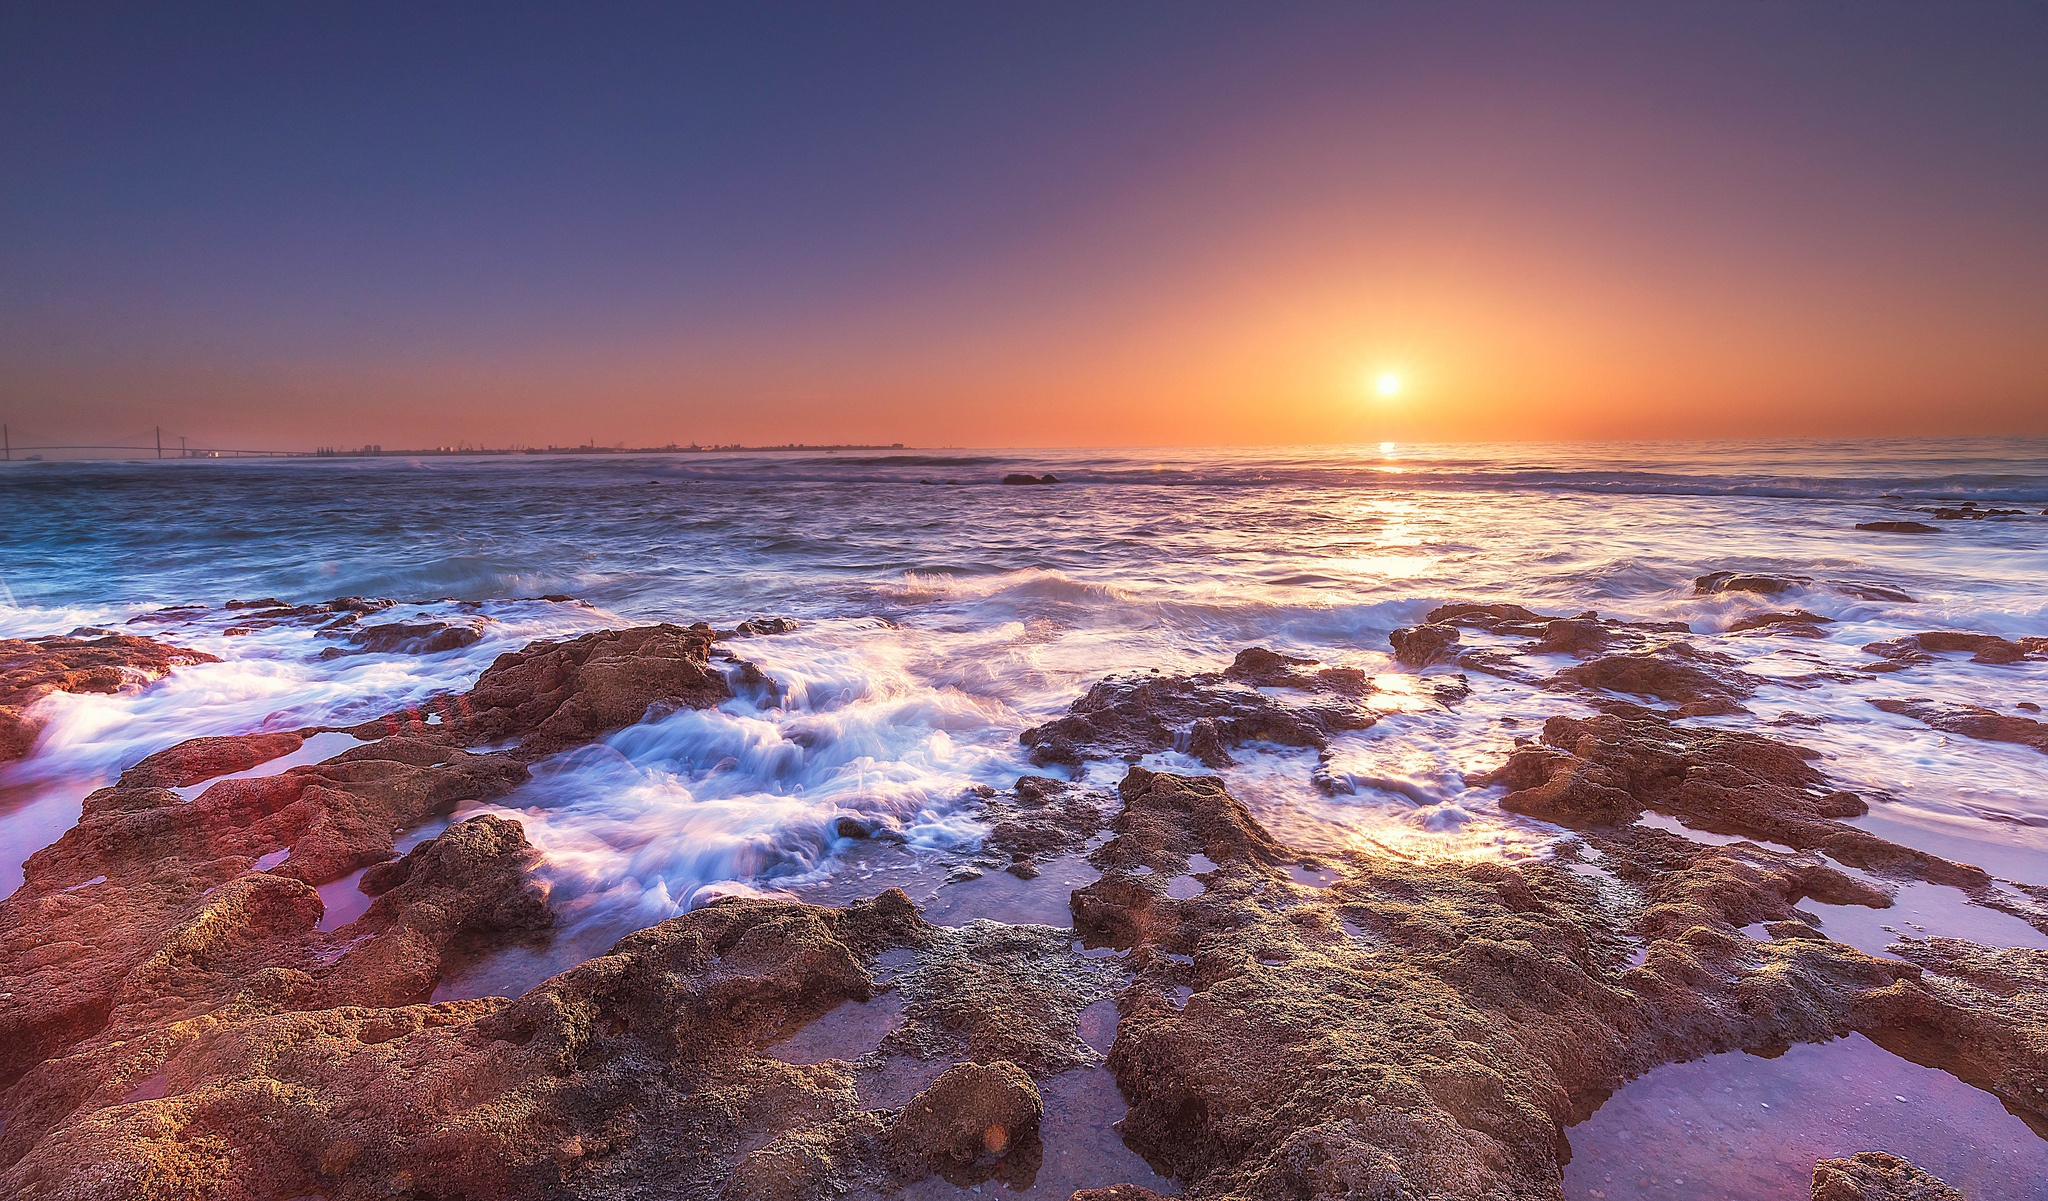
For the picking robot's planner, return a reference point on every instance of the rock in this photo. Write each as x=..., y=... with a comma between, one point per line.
x=196, y=760
x=1420, y=646
x=1674, y=673
x=1437, y=1050
x=555, y=695
x=763, y=626
x=465, y=890
x=1605, y=771
x=1047, y=818
x=1206, y=715
x=1916, y=649
x=1797, y=622
x=415, y=637
x=987, y=991
x=639, y=1064
x=1020, y=477
x=1118, y=1192
x=1897, y=527
x=1573, y=636
x=33, y=668
x=1876, y=1176
x=1493, y=618
x=1968, y=511
x=1970, y=721
x=1270, y=669
x=1736, y=581
x=971, y=1112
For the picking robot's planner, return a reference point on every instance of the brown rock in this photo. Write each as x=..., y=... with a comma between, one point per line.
x=1206, y=715
x=1983, y=648
x=1736, y=581
x=972, y=1112
x=197, y=760
x=1574, y=636
x=1797, y=622
x=1897, y=527
x=1876, y=1176
x=33, y=668
x=1420, y=646
x=555, y=695
x=1970, y=721
x=1673, y=673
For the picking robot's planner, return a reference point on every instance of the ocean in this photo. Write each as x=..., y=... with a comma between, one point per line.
x=940, y=612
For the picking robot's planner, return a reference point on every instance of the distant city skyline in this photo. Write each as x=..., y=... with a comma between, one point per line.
x=1054, y=225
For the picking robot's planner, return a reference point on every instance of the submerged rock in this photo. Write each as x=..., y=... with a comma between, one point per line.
x=1916, y=649
x=1877, y=1176
x=1797, y=622
x=1897, y=527
x=1970, y=721
x=426, y=637
x=1757, y=582
x=33, y=668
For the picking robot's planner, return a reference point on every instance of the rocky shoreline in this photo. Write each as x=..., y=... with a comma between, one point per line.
x=176, y=1023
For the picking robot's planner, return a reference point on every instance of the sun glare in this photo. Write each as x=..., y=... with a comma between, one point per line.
x=1388, y=384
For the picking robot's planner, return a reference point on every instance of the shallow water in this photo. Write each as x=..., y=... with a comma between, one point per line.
x=1741, y=1127
x=937, y=622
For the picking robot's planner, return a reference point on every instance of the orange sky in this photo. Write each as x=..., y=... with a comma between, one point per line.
x=1591, y=247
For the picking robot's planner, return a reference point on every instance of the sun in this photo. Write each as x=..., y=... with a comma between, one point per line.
x=1388, y=384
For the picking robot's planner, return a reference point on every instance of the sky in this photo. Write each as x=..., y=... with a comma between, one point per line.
x=1043, y=224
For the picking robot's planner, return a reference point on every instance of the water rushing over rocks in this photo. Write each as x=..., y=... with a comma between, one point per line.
x=1251, y=827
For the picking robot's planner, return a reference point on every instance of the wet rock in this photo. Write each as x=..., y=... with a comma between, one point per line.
x=1206, y=715
x=1970, y=511
x=1420, y=646
x=1675, y=673
x=1440, y=1050
x=1796, y=622
x=1118, y=1192
x=1916, y=649
x=197, y=760
x=470, y=888
x=1970, y=721
x=555, y=695
x=1573, y=636
x=1046, y=818
x=1021, y=477
x=987, y=991
x=1877, y=1176
x=641, y=1064
x=33, y=668
x=1606, y=770
x=1493, y=618
x=761, y=627
x=1897, y=527
x=1979, y=1013
x=1737, y=581
x=412, y=637
x=1270, y=669
x=973, y=1111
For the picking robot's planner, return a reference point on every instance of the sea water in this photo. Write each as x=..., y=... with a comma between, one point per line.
x=942, y=612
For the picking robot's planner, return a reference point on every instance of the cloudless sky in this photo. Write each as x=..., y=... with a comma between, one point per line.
x=1023, y=224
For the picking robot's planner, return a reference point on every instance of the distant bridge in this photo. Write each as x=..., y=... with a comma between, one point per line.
x=182, y=451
